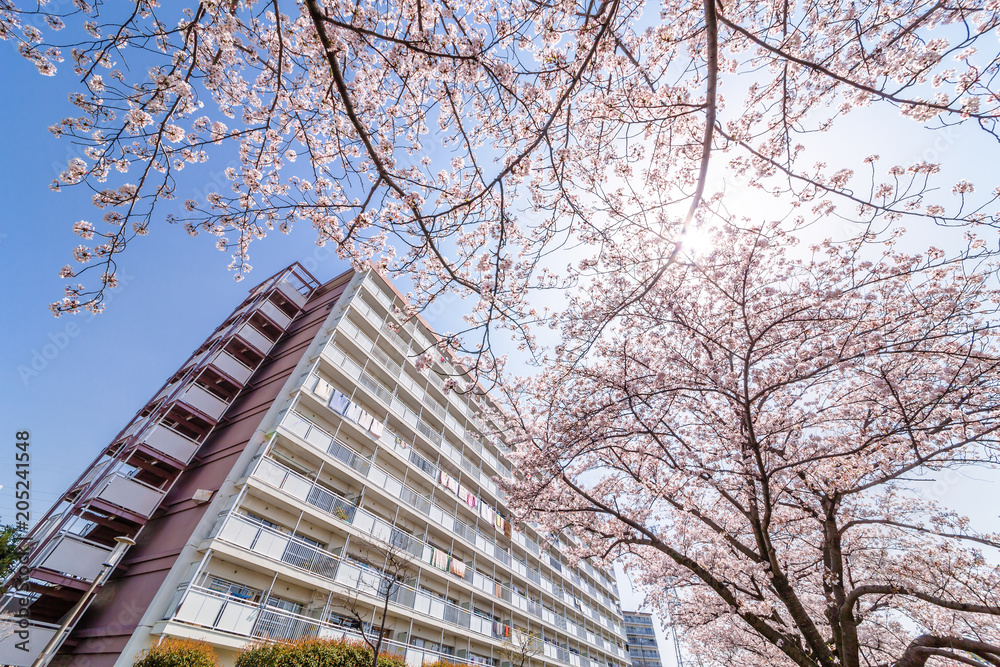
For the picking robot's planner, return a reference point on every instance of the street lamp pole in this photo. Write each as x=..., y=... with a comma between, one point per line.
x=115, y=557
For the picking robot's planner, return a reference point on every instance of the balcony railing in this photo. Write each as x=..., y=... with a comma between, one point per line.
x=171, y=443
x=206, y=608
x=319, y=437
x=16, y=652
x=129, y=494
x=73, y=556
x=232, y=367
x=292, y=293
x=205, y=402
x=254, y=338
x=273, y=313
x=281, y=477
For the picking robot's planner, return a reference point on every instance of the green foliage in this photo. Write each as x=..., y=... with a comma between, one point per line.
x=313, y=652
x=178, y=653
x=10, y=542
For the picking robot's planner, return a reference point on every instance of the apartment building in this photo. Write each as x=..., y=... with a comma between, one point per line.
x=642, y=646
x=295, y=438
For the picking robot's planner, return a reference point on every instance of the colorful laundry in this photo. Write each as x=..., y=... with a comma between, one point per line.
x=440, y=558
x=458, y=567
x=338, y=402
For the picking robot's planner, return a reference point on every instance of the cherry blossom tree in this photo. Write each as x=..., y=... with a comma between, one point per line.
x=470, y=144
x=752, y=433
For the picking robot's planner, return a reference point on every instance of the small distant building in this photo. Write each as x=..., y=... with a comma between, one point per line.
x=642, y=646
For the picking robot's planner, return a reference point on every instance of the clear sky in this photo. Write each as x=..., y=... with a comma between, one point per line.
x=74, y=382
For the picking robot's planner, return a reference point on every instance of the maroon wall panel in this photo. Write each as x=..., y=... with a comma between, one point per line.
x=102, y=633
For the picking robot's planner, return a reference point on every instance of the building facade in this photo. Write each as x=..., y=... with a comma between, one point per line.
x=257, y=483
x=642, y=646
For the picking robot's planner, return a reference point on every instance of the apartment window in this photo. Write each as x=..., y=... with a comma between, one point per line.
x=233, y=589
x=262, y=520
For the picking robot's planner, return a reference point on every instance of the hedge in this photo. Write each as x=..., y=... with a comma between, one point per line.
x=313, y=652
x=173, y=652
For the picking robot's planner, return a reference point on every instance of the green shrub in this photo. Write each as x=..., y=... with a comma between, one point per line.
x=445, y=663
x=313, y=652
x=174, y=652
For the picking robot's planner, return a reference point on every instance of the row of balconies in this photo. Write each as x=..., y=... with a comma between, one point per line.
x=374, y=476
x=420, y=343
x=211, y=609
x=339, y=358
x=488, y=546
x=479, y=477
x=280, y=477
x=381, y=328
x=463, y=404
x=116, y=495
x=299, y=554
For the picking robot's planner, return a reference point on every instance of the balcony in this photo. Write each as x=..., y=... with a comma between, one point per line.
x=292, y=293
x=73, y=556
x=209, y=609
x=171, y=443
x=12, y=655
x=254, y=338
x=275, y=314
x=204, y=402
x=129, y=494
x=229, y=365
x=281, y=477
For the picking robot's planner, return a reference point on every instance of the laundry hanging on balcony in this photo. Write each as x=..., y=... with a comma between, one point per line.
x=376, y=429
x=338, y=402
x=467, y=496
x=440, y=558
x=458, y=567
x=448, y=482
x=487, y=513
x=354, y=412
x=324, y=390
x=365, y=420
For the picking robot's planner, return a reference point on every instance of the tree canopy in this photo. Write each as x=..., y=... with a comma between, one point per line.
x=752, y=433
x=473, y=144
x=745, y=420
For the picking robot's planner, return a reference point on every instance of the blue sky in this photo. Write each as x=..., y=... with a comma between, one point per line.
x=73, y=382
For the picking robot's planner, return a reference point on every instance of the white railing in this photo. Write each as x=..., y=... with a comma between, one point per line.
x=205, y=402
x=167, y=441
x=130, y=494
x=232, y=367
x=254, y=338
x=275, y=314
x=322, y=439
x=73, y=556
